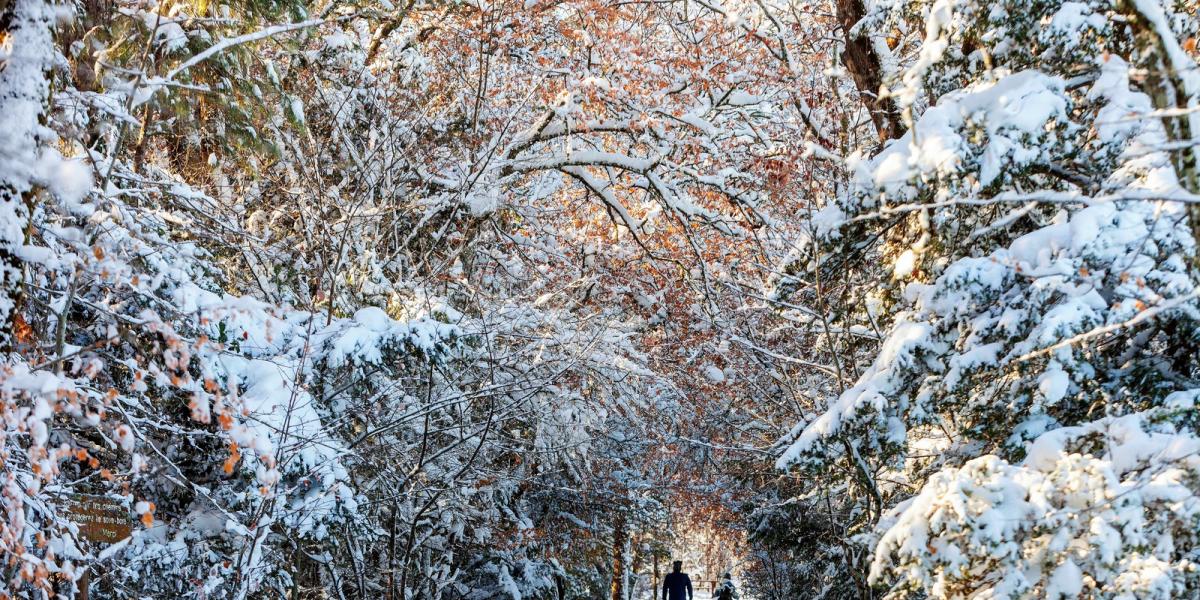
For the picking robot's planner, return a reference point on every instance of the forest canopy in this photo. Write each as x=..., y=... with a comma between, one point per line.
x=525, y=300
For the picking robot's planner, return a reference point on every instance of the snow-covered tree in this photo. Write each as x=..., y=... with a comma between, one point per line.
x=1027, y=426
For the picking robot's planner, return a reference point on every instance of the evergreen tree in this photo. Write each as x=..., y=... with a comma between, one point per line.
x=1028, y=426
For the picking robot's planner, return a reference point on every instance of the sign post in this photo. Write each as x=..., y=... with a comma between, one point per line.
x=101, y=521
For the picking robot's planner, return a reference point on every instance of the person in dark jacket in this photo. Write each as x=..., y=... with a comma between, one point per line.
x=726, y=591
x=676, y=582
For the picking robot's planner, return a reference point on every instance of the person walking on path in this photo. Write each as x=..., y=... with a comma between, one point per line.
x=726, y=591
x=676, y=582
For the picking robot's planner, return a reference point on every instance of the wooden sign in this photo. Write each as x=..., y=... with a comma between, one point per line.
x=100, y=519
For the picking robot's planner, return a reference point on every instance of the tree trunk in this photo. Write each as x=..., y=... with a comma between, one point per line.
x=862, y=61
x=26, y=27
x=654, y=591
x=619, y=571
x=1165, y=63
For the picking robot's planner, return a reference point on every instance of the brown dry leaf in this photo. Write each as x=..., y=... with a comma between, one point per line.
x=21, y=329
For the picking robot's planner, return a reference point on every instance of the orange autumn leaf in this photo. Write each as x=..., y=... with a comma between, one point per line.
x=234, y=456
x=21, y=329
